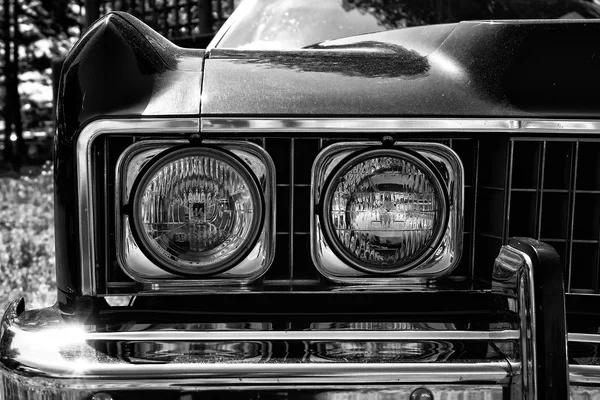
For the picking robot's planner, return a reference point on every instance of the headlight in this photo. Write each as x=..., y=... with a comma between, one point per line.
x=197, y=210
x=194, y=215
x=384, y=211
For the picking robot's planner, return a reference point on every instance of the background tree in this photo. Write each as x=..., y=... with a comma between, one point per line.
x=35, y=32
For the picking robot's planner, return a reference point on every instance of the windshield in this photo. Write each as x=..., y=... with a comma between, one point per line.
x=294, y=24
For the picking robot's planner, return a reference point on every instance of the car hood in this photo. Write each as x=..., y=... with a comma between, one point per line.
x=486, y=68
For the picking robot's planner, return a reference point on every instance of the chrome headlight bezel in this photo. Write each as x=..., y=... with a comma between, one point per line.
x=132, y=253
x=355, y=159
x=446, y=249
x=208, y=268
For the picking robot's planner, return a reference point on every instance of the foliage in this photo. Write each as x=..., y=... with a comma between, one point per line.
x=47, y=30
x=27, y=240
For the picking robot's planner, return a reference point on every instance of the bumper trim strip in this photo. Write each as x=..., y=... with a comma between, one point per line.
x=282, y=373
x=340, y=335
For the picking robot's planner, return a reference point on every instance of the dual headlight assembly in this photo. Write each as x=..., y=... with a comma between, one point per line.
x=204, y=214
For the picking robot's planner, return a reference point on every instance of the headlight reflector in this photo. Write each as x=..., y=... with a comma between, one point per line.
x=197, y=210
x=384, y=210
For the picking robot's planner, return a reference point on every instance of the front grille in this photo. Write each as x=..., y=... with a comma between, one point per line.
x=547, y=188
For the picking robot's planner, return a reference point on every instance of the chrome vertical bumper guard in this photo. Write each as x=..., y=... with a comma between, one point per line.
x=532, y=271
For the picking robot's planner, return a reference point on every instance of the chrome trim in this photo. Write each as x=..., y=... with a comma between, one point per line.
x=528, y=329
x=44, y=343
x=438, y=263
x=513, y=273
x=85, y=188
x=584, y=337
x=350, y=335
x=282, y=373
x=562, y=125
x=584, y=374
x=241, y=124
x=527, y=313
x=44, y=388
x=441, y=189
x=141, y=269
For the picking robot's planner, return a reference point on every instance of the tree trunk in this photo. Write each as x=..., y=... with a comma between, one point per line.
x=14, y=146
x=92, y=12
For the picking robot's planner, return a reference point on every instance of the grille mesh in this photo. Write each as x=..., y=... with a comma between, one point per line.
x=541, y=187
x=560, y=192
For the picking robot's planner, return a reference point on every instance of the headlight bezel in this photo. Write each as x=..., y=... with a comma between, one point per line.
x=135, y=263
x=343, y=167
x=163, y=159
x=437, y=264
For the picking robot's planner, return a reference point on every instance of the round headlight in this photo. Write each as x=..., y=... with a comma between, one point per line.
x=196, y=210
x=384, y=210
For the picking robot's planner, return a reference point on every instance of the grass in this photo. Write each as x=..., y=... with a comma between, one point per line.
x=27, y=240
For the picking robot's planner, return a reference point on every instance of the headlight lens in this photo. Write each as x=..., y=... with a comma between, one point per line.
x=197, y=210
x=384, y=210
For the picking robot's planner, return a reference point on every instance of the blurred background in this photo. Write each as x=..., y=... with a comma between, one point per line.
x=36, y=35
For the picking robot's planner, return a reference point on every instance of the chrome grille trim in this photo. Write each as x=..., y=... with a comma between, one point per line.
x=85, y=186
x=242, y=124
x=518, y=131
x=225, y=124
x=584, y=337
x=589, y=374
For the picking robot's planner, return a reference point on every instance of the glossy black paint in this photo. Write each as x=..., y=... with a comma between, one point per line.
x=393, y=61
x=119, y=68
x=550, y=318
x=297, y=307
x=471, y=69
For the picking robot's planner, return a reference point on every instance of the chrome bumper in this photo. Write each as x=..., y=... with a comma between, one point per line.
x=45, y=354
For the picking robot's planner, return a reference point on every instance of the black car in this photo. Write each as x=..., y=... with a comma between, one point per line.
x=318, y=207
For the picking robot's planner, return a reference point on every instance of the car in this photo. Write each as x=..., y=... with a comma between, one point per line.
x=316, y=206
